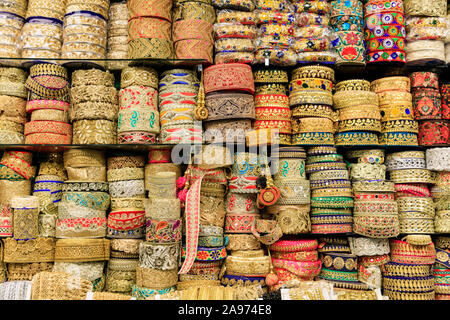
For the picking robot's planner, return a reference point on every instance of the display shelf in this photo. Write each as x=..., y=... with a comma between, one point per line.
x=101, y=63
x=147, y=146
x=317, y=235
x=104, y=147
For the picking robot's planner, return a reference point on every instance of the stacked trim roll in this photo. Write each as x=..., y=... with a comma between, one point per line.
x=178, y=89
x=94, y=102
x=149, y=29
x=138, y=120
x=13, y=95
x=347, y=21
x=359, y=114
x=85, y=29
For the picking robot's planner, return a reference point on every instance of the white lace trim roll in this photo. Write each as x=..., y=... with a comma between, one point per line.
x=438, y=159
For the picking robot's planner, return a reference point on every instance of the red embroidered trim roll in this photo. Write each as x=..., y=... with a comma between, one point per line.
x=229, y=76
x=159, y=156
x=42, y=126
x=375, y=196
x=424, y=79
x=19, y=161
x=126, y=220
x=426, y=104
x=412, y=190
x=303, y=269
x=294, y=245
x=240, y=222
x=33, y=105
x=403, y=252
x=297, y=256
x=48, y=138
x=445, y=100
x=434, y=133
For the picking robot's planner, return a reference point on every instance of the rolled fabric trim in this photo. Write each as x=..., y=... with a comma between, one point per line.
x=368, y=261
x=149, y=27
x=229, y=105
x=138, y=120
x=412, y=176
x=127, y=188
x=427, y=104
x=437, y=159
x=207, y=254
x=156, y=279
x=386, y=56
x=331, y=228
x=376, y=225
x=403, y=252
x=313, y=139
x=143, y=293
x=356, y=138
x=434, y=133
x=340, y=261
x=81, y=227
x=247, y=266
x=230, y=76
x=303, y=269
x=126, y=219
x=33, y=105
x=398, y=139
x=211, y=241
x=242, y=242
x=332, y=202
x=136, y=137
x=239, y=222
x=82, y=250
x=162, y=231
x=230, y=280
x=294, y=245
x=76, y=186
x=159, y=256
x=293, y=191
x=297, y=256
x=94, y=200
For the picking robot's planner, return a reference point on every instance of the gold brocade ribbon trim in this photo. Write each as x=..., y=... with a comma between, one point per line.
x=150, y=48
